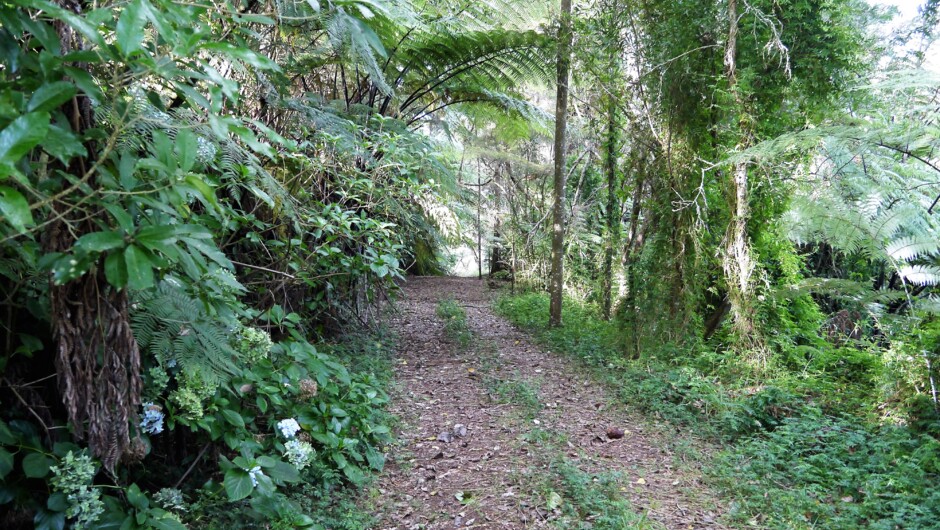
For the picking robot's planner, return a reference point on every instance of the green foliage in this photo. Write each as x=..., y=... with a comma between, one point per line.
x=182, y=334
x=244, y=219
x=788, y=462
x=519, y=393
x=837, y=473
x=333, y=508
x=455, y=322
x=588, y=500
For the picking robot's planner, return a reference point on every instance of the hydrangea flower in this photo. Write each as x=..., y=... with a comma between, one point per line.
x=299, y=453
x=74, y=478
x=289, y=427
x=152, y=422
x=170, y=499
x=253, y=474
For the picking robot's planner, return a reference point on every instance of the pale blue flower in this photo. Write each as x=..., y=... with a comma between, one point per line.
x=289, y=427
x=253, y=474
x=152, y=422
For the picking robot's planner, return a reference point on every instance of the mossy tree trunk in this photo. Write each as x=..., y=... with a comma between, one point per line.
x=557, y=275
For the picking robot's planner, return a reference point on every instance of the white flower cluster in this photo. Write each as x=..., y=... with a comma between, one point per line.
x=289, y=428
x=152, y=422
x=253, y=474
x=299, y=453
x=205, y=150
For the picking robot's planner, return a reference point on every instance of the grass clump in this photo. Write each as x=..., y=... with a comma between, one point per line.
x=575, y=498
x=523, y=394
x=455, y=322
x=588, y=501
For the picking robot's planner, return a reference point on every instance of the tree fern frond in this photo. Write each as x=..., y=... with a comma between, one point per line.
x=857, y=292
x=920, y=274
x=912, y=247
x=236, y=164
x=178, y=331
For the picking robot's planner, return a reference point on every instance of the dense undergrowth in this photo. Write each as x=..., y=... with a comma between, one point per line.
x=203, y=208
x=291, y=434
x=794, y=457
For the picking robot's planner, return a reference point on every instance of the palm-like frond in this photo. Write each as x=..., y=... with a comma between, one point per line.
x=435, y=67
x=178, y=331
x=873, y=181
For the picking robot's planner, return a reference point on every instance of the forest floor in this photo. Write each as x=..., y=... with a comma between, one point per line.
x=499, y=433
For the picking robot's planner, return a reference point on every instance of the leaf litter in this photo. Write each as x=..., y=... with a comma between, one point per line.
x=462, y=456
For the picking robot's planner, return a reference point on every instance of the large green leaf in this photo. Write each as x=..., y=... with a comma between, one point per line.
x=165, y=522
x=50, y=96
x=36, y=465
x=47, y=520
x=186, y=148
x=136, y=498
x=115, y=269
x=6, y=435
x=237, y=484
x=6, y=463
x=62, y=143
x=20, y=136
x=283, y=472
x=139, y=268
x=130, y=27
x=155, y=237
x=100, y=241
x=15, y=209
x=233, y=417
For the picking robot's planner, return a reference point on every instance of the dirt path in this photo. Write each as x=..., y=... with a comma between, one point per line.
x=535, y=453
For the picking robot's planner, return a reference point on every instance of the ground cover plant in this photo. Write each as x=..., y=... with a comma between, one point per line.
x=790, y=460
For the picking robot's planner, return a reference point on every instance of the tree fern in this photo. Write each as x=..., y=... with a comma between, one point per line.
x=237, y=166
x=179, y=331
x=873, y=179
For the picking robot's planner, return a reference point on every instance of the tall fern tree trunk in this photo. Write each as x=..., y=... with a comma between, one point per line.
x=557, y=275
x=632, y=312
x=737, y=258
x=613, y=205
x=97, y=359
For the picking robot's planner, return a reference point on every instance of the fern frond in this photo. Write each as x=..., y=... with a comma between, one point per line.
x=911, y=247
x=920, y=274
x=178, y=330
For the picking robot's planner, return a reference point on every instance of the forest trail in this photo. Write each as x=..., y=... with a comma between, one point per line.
x=535, y=453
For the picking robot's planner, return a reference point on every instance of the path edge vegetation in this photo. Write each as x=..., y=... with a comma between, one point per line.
x=781, y=457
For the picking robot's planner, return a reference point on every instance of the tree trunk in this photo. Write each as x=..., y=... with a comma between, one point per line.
x=737, y=258
x=97, y=359
x=632, y=312
x=613, y=206
x=561, y=121
x=479, y=224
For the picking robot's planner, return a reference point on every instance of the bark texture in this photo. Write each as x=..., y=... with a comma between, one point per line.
x=613, y=207
x=557, y=275
x=737, y=257
x=96, y=356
